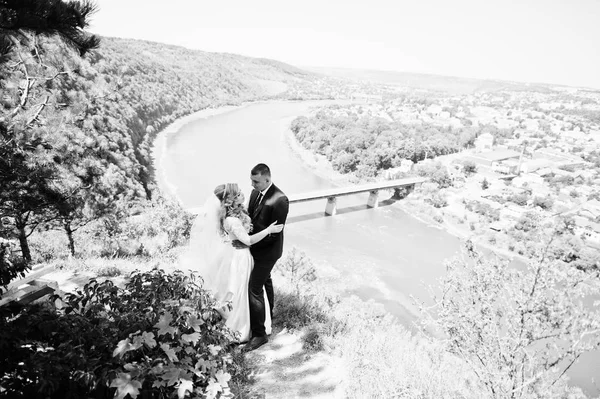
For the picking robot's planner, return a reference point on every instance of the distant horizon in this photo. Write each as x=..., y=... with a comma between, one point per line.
x=309, y=67
x=529, y=41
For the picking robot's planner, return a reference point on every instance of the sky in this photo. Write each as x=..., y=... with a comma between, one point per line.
x=542, y=41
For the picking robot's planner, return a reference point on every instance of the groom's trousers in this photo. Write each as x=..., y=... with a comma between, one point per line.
x=260, y=277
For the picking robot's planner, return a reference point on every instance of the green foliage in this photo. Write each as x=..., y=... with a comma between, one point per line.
x=158, y=336
x=545, y=203
x=469, y=168
x=295, y=311
x=11, y=266
x=312, y=340
x=76, y=133
x=438, y=200
x=519, y=198
x=483, y=209
x=485, y=184
x=47, y=17
x=436, y=171
x=298, y=269
x=528, y=222
x=367, y=144
x=517, y=330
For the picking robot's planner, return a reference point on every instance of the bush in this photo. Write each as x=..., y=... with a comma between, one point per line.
x=469, y=168
x=11, y=266
x=519, y=329
x=543, y=202
x=158, y=337
x=436, y=171
x=519, y=199
x=296, y=311
x=160, y=225
x=485, y=184
x=438, y=200
x=298, y=269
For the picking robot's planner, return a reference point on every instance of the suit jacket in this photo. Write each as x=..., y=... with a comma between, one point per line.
x=273, y=207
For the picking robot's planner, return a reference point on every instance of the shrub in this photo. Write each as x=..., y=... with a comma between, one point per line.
x=158, y=337
x=436, y=171
x=438, y=200
x=518, y=329
x=11, y=266
x=485, y=184
x=297, y=268
x=313, y=340
x=543, y=202
x=160, y=225
x=296, y=311
x=519, y=199
x=470, y=168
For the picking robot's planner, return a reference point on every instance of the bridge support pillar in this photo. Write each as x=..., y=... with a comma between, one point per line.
x=331, y=207
x=373, y=201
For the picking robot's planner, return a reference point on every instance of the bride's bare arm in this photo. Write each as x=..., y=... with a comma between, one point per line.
x=241, y=235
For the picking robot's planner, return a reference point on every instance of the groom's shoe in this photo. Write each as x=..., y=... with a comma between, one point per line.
x=255, y=343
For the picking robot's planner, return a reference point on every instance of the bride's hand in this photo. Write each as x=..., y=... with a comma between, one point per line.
x=275, y=228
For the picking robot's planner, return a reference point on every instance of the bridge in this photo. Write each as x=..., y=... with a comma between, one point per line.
x=331, y=194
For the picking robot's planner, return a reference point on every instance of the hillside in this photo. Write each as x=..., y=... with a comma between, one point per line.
x=77, y=132
x=421, y=81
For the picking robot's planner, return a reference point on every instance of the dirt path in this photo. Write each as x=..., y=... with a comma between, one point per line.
x=283, y=369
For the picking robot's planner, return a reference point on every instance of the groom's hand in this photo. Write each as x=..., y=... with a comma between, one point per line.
x=238, y=244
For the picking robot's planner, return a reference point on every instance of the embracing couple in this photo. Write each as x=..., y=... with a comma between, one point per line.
x=237, y=248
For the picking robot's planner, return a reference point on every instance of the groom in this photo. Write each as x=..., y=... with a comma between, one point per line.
x=267, y=204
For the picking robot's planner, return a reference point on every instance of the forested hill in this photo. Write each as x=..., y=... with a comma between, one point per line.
x=154, y=84
x=120, y=95
x=76, y=132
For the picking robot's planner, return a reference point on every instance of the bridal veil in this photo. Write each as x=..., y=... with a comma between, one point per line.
x=209, y=255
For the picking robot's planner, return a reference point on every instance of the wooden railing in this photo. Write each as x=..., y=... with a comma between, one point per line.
x=373, y=188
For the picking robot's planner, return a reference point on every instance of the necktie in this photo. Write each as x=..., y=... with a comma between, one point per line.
x=258, y=199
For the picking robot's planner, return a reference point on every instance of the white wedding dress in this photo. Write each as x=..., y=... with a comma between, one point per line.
x=224, y=269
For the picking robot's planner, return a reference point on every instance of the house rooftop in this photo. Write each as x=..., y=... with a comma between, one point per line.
x=498, y=155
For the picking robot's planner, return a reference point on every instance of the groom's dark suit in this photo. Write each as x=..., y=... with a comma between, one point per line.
x=273, y=207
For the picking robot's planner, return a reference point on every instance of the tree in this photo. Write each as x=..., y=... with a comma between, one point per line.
x=26, y=158
x=518, y=330
x=66, y=20
x=485, y=184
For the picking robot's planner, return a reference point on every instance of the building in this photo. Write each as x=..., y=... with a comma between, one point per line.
x=532, y=165
x=489, y=157
x=485, y=142
x=508, y=167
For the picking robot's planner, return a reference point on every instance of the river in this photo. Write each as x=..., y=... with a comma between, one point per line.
x=382, y=254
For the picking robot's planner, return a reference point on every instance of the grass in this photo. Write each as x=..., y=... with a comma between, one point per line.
x=380, y=357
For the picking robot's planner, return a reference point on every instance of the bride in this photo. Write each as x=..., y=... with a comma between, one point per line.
x=225, y=269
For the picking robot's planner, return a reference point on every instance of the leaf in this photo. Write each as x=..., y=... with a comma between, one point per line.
x=122, y=347
x=195, y=322
x=203, y=365
x=183, y=309
x=214, y=349
x=125, y=386
x=148, y=338
x=137, y=342
x=163, y=325
x=171, y=376
x=193, y=338
x=223, y=378
x=184, y=386
x=169, y=352
x=159, y=383
x=213, y=389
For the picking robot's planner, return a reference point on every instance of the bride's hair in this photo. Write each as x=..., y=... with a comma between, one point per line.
x=229, y=194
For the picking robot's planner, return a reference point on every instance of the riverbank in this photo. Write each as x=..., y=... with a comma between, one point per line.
x=159, y=147
x=416, y=208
